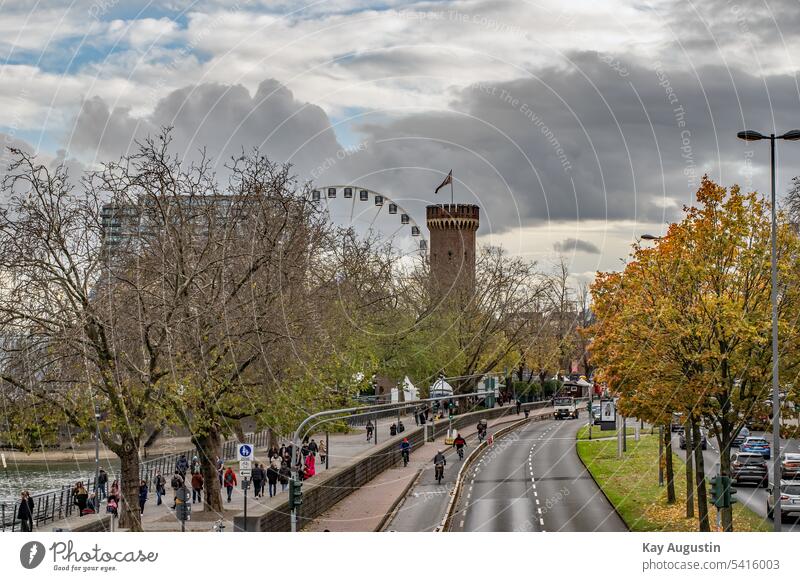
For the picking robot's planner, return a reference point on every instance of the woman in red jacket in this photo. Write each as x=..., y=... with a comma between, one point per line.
x=229, y=481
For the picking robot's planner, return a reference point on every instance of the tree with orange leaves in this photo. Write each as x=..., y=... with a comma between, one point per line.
x=686, y=326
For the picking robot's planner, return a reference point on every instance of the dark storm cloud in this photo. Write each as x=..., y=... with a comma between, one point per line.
x=601, y=137
x=222, y=118
x=575, y=245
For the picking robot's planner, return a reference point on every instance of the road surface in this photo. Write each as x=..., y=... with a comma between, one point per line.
x=532, y=480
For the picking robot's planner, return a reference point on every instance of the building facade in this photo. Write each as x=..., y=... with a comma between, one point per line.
x=453, y=229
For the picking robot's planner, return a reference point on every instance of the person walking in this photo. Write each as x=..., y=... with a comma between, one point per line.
x=142, y=496
x=195, y=466
x=25, y=512
x=323, y=451
x=284, y=475
x=313, y=447
x=229, y=480
x=369, y=427
x=197, y=487
x=257, y=478
x=160, y=483
x=81, y=497
x=272, y=479
x=176, y=483
x=182, y=465
x=102, y=482
x=310, y=465
x=273, y=452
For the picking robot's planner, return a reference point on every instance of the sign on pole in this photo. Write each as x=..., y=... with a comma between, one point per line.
x=245, y=452
x=245, y=468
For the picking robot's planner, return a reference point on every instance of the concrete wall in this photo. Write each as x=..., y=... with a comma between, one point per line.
x=91, y=523
x=323, y=491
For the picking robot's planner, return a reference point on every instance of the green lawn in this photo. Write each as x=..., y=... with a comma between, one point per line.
x=631, y=484
x=583, y=433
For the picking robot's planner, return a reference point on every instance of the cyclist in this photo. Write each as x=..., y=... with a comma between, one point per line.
x=481, y=430
x=439, y=462
x=405, y=449
x=459, y=444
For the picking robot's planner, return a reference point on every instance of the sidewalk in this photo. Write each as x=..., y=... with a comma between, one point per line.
x=341, y=450
x=364, y=509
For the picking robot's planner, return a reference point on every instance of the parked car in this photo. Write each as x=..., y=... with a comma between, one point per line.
x=703, y=440
x=790, y=499
x=743, y=434
x=596, y=413
x=757, y=445
x=790, y=466
x=749, y=467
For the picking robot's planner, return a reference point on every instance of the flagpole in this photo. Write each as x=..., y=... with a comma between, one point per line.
x=451, y=188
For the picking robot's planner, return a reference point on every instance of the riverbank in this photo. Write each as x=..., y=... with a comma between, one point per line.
x=631, y=484
x=85, y=451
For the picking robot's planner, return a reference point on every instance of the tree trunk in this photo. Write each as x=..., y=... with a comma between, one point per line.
x=128, y=509
x=670, y=471
x=700, y=478
x=726, y=514
x=687, y=432
x=208, y=450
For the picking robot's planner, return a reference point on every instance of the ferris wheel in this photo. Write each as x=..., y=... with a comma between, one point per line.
x=367, y=210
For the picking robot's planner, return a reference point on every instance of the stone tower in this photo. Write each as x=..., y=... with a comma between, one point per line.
x=452, y=247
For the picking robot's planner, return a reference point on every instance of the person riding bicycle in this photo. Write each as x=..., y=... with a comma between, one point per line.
x=482, y=429
x=439, y=459
x=405, y=449
x=459, y=444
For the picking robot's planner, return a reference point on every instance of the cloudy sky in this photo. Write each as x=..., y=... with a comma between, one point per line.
x=575, y=125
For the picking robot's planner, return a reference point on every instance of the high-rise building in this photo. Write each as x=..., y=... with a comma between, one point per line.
x=453, y=230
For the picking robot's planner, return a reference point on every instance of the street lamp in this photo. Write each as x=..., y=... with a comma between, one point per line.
x=793, y=135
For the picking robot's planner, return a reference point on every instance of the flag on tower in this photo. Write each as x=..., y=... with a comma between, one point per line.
x=447, y=180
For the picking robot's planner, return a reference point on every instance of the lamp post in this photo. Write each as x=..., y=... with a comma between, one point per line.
x=793, y=135
x=96, y=448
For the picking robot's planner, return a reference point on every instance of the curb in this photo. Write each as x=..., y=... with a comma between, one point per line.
x=390, y=514
x=600, y=488
x=454, y=495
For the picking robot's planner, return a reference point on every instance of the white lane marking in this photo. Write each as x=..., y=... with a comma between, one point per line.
x=535, y=493
x=541, y=521
x=539, y=510
x=537, y=501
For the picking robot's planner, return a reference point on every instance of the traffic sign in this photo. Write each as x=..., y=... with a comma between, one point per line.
x=245, y=452
x=245, y=465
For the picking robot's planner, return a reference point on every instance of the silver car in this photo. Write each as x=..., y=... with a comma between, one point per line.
x=790, y=499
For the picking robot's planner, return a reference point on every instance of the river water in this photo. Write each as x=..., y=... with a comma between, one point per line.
x=40, y=477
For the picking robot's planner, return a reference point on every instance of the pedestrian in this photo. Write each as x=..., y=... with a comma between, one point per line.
x=142, y=495
x=282, y=450
x=273, y=451
x=197, y=487
x=310, y=465
x=176, y=483
x=323, y=451
x=229, y=480
x=276, y=462
x=114, y=491
x=304, y=449
x=102, y=482
x=400, y=427
x=284, y=474
x=220, y=469
x=313, y=447
x=195, y=466
x=257, y=477
x=111, y=505
x=81, y=497
x=160, y=483
x=182, y=465
x=272, y=478
x=370, y=427
x=92, y=504
x=25, y=513
x=519, y=406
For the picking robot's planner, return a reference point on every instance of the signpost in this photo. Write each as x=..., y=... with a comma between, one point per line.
x=245, y=454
